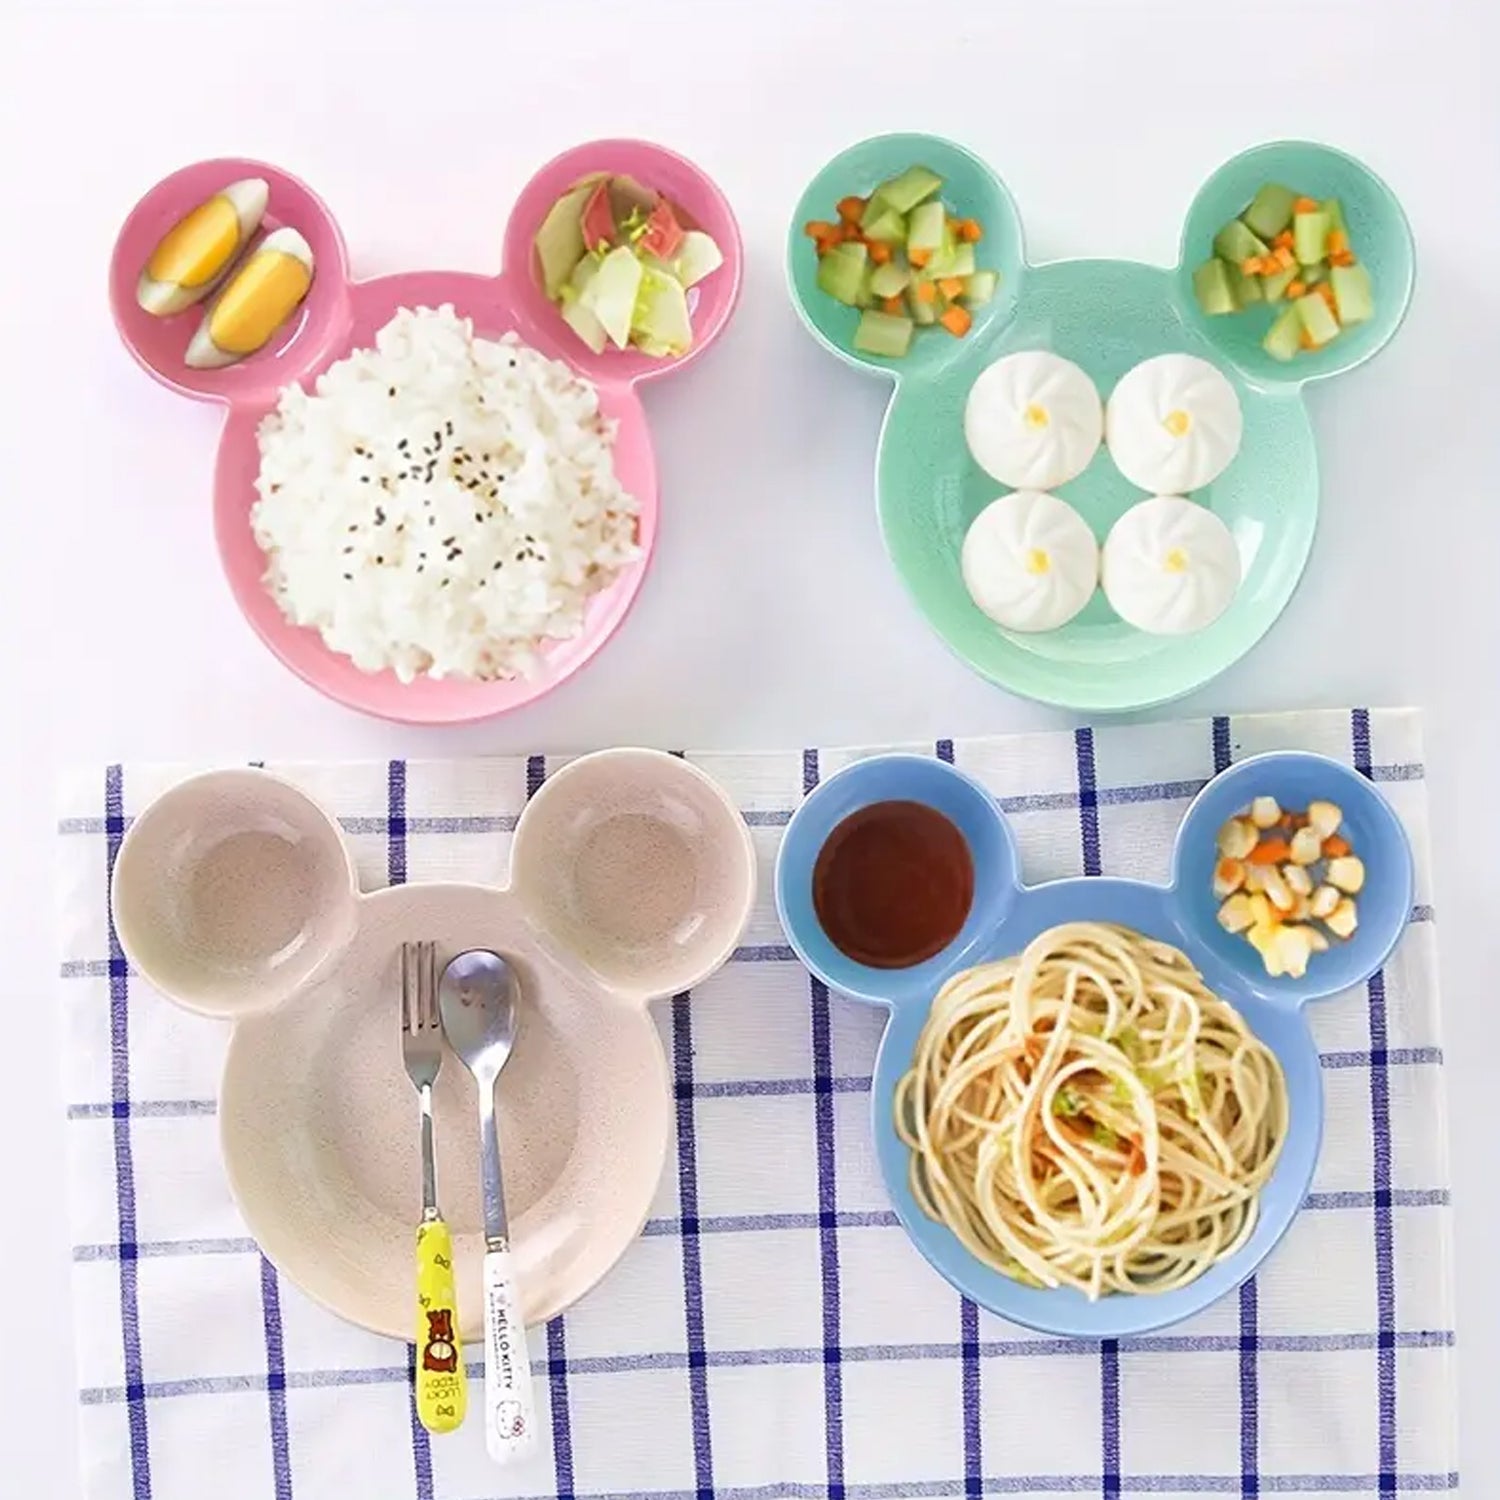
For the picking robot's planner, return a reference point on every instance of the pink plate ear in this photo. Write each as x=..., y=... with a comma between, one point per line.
x=159, y=344
x=689, y=188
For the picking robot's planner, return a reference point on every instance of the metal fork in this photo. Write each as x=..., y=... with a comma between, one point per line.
x=441, y=1387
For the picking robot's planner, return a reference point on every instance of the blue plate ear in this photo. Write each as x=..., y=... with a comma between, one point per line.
x=1294, y=779
x=970, y=189
x=884, y=778
x=1379, y=235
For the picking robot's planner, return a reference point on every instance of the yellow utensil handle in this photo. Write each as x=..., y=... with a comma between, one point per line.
x=442, y=1387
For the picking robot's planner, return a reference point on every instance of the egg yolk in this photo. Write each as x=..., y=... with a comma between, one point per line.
x=258, y=301
x=1177, y=422
x=1036, y=416
x=195, y=249
x=1038, y=561
x=1176, y=561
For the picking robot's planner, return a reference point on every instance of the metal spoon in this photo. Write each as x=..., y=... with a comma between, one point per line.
x=477, y=1000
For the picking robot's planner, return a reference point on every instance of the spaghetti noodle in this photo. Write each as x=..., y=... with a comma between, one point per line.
x=1089, y=1114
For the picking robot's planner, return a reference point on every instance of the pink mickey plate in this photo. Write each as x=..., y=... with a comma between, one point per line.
x=340, y=315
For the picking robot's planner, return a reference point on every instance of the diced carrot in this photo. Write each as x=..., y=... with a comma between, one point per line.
x=1335, y=846
x=1307, y=341
x=819, y=229
x=880, y=252
x=957, y=320
x=1283, y=239
x=1338, y=239
x=1305, y=206
x=1253, y=265
x=1296, y=289
x=1270, y=852
x=951, y=287
x=925, y=291
x=1285, y=258
x=1342, y=258
x=892, y=305
x=851, y=209
x=1136, y=1166
x=970, y=230
x=919, y=257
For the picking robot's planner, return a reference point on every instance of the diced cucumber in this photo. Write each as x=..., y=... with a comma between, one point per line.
x=1212, y=289
x=1310, y=237
x=887, y=225
x=1236, y=243
x=903, y=193
x=889, y=280
x=1273, y=288
x=1248, y=290
x=1318, y=319
x=957, y=260
x=1353, y=293
x=923, y=314
x=1271, y=210
x=1312, y=275
x=866, y=294
x=925, y=229
x=1335, y=211
x=979, y=287
x=1284, y=338
x=886, y=334
x=841, y=273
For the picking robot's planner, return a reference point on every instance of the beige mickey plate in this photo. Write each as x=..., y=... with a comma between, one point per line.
x=234, y=895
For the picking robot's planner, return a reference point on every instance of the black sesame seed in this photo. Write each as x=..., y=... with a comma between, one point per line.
x=354, y=528
x=499, y=563
x=403, y=444
x=364, y=478
x=348, y=577
x=445, y=583
x=380, y=561
x=392, y=391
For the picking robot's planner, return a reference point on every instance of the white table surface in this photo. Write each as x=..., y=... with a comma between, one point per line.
x=771, y=616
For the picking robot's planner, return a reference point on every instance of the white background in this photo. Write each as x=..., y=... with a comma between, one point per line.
x=771, y=616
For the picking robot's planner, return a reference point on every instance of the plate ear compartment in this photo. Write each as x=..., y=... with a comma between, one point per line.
x=274, y=208
x=1379, y=237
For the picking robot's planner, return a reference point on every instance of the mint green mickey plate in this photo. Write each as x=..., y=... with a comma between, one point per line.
x=1106, y=316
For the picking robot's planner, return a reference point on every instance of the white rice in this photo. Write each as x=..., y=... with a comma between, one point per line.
x=443, y=504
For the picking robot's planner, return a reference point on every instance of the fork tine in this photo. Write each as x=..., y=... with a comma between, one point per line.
x=406, y=986
x=429, y=974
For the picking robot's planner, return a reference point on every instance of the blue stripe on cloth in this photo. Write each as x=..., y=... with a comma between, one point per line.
x=1109, y=1419
x=1088, y=800
x=728, y=1088
x=1149, y=791
x=828, y=1245
x=562, y=1425
x=1223, y=755
x=943, y=749
x=1109, y=1349
x=1380, y=1124
x=692, y=1250
x=119, y=1079
x=615, y=1364
x=848, y=1218
x=968, y=1331
x=281, y=1455
x=750, y=953
x=395, y=874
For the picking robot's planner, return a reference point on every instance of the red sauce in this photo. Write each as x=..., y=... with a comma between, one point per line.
x=893, y=884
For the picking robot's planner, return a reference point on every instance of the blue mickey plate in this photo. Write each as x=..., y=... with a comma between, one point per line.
x=1006, y=915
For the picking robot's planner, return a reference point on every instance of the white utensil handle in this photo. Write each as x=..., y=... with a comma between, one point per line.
x=509, y=1405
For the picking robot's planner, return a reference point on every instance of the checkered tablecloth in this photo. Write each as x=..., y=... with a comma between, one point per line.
x=772, y=1333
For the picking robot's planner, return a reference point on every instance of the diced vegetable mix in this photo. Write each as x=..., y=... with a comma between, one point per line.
x=1289, y=249
x=617, y=260
x=901, y=258
x=1287, y=882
